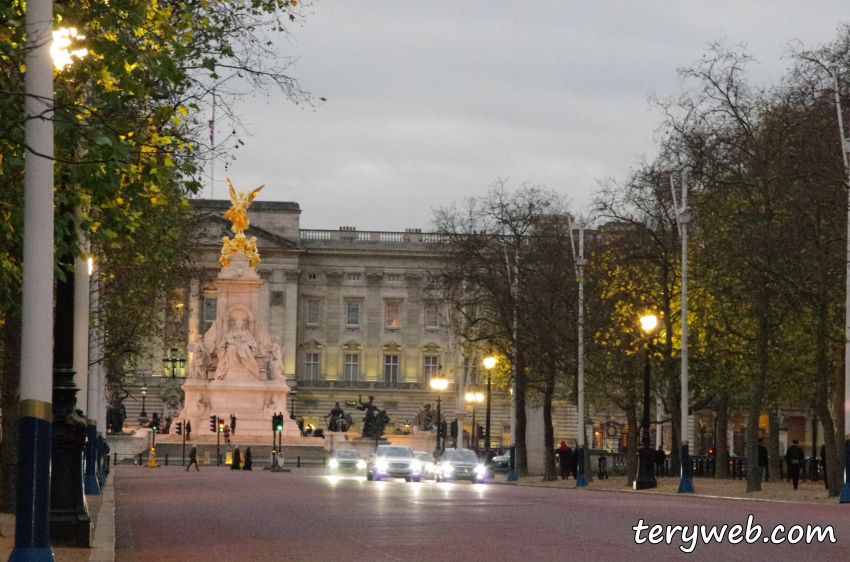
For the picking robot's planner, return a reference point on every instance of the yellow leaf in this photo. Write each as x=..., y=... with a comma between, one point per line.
x=119, y=200
x=182, y=109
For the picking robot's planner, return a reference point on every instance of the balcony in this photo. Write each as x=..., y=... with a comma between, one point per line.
x=350, y=235
x=363, y=385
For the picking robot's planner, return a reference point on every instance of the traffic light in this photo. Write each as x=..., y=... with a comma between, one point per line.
x=443, y=428
x=221, y=425
x=179, y=428
x=277, y=422
x=213, y=421
x=481, y=432
x=454, y=429
x=154, y=425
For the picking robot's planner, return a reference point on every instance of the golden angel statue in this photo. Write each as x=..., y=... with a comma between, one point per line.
x=238, y=211
x=238, y=215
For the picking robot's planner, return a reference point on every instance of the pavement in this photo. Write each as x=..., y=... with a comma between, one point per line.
x=306, y=515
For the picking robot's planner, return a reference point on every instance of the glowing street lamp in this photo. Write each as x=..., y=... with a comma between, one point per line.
x=439, y=383
x=646, y=476
x=474, y=398
x=62, y=39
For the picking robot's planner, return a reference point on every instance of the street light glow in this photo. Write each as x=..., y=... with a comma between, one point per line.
x=490, y=362
x=474, y=397
x=439, y=383
x=648, y=322
x=62, y=39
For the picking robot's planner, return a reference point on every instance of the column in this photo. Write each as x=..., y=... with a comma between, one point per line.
x=194, y=310
x=290, y=340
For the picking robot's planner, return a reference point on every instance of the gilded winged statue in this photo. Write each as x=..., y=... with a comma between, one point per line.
x=238, y=211
x=238, y=215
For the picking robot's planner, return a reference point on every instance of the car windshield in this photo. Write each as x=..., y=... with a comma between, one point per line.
x=394, y=452
x=347, y=455
x=462, y=456
x=424, y=457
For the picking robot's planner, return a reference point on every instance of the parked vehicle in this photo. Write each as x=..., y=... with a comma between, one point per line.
x=460, y=464
x=393, y=461
x=346, y=460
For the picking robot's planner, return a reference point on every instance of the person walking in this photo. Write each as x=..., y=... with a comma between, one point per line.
x=763, y=460
x=563, y=454
x=573, y=462
x=794, y=457
x=247, y=465
x=659, y=457
x=193, y=458
x=236, y=461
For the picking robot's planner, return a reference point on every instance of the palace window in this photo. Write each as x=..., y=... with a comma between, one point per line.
x=393, y=278
x=312, y=276
x=354, y=277
x=393, y=309
x=311, y=366
x=432, y=316
x=432, y=364
x=352, y=313
x=390, y=368
x=210, y=309
x=312, y=312
x=351, y=368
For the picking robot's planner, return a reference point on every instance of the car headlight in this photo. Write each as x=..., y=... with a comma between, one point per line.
x=334, y=463
x=416, y=466
x=381, y=465
x=480, y=469
x=361, y=464
x=447, y=467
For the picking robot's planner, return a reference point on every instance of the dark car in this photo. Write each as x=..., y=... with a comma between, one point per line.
x=393, y=461
x=460, y=464
x=346, y=460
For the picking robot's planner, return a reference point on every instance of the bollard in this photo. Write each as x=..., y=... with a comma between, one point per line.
x=298, y=463
x=115, y=462
x=140, y=459
x=166, y=459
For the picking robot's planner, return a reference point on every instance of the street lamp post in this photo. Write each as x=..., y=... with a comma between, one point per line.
x=474, y=398
x=646, y=475
x=845, y=151
x=439, y=383
x=686, y=486
x=144, y=415
x=172, y=361
x=580, y=262
x=489, y=363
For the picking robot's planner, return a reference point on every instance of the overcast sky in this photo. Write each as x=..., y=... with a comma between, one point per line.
x=430, y=102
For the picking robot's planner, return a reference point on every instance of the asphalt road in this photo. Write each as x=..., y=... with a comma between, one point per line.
x=222, y=515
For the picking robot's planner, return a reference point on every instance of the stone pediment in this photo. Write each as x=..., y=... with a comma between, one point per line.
x=210, y=229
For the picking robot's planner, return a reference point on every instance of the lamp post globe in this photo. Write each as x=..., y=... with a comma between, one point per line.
x=144, y=391
x=646, y=474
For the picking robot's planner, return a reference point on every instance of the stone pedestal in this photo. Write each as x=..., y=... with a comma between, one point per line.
x=237, y=369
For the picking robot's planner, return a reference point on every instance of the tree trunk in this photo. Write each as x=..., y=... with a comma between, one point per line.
x=632, y=445
x=773, y=457
x=550, y=474
x=721, y=451
x=521, y=389
x=11, y=395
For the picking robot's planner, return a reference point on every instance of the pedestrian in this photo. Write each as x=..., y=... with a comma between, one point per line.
x=763, y=460
x=236, y=461
x=659, y=457
x=193, y=458
x=794, y=457
x=247, y=465
x=603, y=466
x=823, y=465
x=563, y=454
x=232, y=424
x=573, y=462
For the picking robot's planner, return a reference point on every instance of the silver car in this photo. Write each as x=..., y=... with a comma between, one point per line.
x=393, y=461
